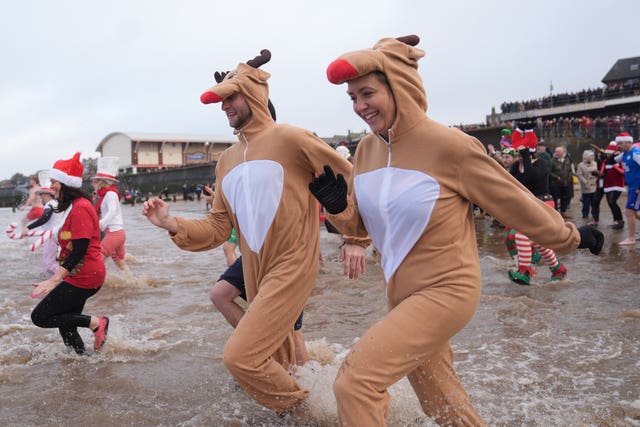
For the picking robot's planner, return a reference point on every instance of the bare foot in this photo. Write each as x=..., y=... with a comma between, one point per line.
x=627, y=242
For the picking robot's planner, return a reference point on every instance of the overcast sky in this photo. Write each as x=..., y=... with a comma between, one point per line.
x=72, y=71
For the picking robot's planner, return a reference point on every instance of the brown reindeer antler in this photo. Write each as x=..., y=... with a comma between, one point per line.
x=411, y=40
x=261, y=59
x=219, y=75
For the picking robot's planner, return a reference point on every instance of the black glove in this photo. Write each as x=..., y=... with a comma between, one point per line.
x=591, y=239
x=330, y=191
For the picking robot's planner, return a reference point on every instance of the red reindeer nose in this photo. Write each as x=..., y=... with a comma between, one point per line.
x=210, y=98
x=340, y=70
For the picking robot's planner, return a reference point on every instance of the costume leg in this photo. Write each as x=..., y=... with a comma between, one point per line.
x=510, y=241
x=524, y=272
x=261, y=349
x=442, y=398
x=548, y=256
x=524, y=252
x=409, y=340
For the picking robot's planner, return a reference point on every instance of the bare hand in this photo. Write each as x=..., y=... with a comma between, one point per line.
x=157, y=211
x=209, y=194
x=43, y=287
x=353, y=258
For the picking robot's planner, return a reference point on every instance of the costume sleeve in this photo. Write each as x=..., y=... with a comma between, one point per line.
x=498, y=193
x=110, y=207
x=318, y=154
x=349, y=221
x=209, y=232
x=46, y=215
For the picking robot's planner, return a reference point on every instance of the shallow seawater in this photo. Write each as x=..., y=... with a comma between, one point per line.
x=549, y=354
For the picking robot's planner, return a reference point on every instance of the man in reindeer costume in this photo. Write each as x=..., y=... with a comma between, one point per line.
x=262, y=192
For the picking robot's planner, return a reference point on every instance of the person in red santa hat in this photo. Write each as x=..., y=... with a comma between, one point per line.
x=81, y=272
x=612, y=175
x=630, y=158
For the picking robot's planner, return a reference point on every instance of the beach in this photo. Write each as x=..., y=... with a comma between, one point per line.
x=550, y=354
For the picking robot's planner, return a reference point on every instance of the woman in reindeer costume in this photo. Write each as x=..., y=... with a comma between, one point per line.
x=262, y=192
x=412, y=188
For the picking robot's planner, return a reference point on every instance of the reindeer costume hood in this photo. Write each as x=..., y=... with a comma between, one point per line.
x=398, y=60
x=250, y=81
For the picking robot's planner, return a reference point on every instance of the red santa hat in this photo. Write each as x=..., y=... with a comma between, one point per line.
x=611, y=148
x=68, y=172
x=527, y=138
x=624, y=137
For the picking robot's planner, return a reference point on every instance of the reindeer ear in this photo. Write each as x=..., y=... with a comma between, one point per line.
x=263, y=58
x=411, y=40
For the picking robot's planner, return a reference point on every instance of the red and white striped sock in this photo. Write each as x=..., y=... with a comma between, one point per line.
x=548, y=256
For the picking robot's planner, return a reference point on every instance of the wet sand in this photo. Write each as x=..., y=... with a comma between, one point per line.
x=549, y=354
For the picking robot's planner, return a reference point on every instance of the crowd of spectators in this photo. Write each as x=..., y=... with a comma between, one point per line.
x=599, y=127
x=621, y=90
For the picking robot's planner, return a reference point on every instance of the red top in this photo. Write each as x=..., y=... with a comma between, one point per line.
x=82, y=223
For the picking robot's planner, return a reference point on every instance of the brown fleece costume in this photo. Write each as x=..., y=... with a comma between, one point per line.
x=413, y=194
x=262, y=191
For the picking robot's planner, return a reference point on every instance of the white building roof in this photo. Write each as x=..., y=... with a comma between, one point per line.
x=169, y=137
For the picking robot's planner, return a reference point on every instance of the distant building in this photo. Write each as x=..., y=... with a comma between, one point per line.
x=624, y=71
x=620, y=95
x=139, y=152
x=351, y=139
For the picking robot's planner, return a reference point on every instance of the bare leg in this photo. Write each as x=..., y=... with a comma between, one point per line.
x=223, y=295
x=301, y=348
x=122, y=265
x=631, y=224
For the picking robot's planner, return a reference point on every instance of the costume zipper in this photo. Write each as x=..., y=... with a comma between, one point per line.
x=388, y=144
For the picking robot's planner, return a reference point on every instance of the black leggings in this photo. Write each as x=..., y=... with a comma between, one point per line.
x=62, y=308
x=612, y=201
x=595, y=204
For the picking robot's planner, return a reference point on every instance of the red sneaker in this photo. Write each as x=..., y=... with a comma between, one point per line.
x=100, y=333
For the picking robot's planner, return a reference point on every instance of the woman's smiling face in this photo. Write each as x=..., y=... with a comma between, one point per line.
x=373, y=102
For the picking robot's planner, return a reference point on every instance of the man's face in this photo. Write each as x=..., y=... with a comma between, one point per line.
x=237, y=110
x=625, y=146
x=507, y=160
x=558, y=153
